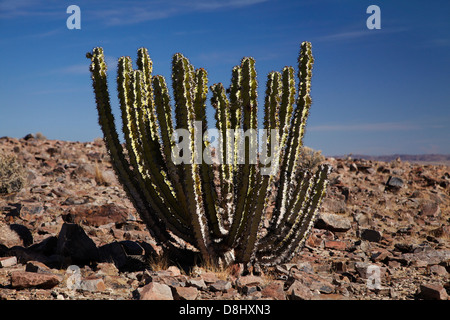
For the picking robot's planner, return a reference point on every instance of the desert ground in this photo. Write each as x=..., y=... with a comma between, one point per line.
x=70, y=233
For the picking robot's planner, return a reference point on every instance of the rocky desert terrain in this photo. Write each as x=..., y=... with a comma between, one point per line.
x=71, y=234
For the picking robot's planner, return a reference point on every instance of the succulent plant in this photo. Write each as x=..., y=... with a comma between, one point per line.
x=247, y=206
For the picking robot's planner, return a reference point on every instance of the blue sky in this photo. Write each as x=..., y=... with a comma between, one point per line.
x=375, y=92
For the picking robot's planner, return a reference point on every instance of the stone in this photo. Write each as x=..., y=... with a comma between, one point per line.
x=75, y=245
x=155, y=291
x=8, y=262
x=185, y=293
x=96, y=216
x=9, y=237
x=36, y=266
x=394, y=183
x=370, y=235
x=439, y=270
x=198, y=283
x=432, y=292
x=25, y=279
x=335, y=245
x=299, y=291
x=274, y=290
x=430, y=209
x=174, y=270
x=92, y=284
x=333, y=222
x=249, y=280
x=220, y=285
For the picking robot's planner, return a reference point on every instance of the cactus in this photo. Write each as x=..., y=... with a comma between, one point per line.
x=219, y=210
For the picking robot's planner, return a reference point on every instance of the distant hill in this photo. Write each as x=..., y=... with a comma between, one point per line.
x=422, y=158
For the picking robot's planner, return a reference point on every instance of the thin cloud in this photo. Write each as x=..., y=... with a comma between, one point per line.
x=367, y=127
x=133, y=12
x=358, y=34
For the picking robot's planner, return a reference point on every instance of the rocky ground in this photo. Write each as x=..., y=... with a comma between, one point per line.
x=71, y=234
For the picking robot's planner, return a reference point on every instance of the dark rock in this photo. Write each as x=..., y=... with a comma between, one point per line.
x=126, y=255
x=370, y=235
x=76, y=246
x=432, y=292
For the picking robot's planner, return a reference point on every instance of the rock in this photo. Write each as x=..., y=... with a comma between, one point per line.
x=312, y=281
x=220, y=285
x=92, y=284
x=335, y=245
x=249, y=280
x=334, y=206
x=432, y=292
x=174, y=270
x=155, y=291
x=198, y=283
x=333, y=222
x=439, y=270
x=185, y=293
x=370, y=235
x=37, y=267
x=7, y=262
x=428, y=257
x=394, y=183
x=209, y=277
x=96, y=216
x=274, y=290
x=24, y=279
x=299, y=291
x=126, y=255
x=430, y=209
x=75, y=245
x=9, y=237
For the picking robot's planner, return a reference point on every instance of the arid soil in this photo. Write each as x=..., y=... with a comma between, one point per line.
x=71, y=234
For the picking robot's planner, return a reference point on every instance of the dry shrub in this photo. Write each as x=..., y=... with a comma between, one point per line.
x=310, y=159
x=12, y=174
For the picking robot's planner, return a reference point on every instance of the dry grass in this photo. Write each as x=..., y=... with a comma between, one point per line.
x=159, y=263
x=99, y=178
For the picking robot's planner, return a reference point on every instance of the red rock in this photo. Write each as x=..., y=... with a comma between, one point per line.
x=274, y=290
x=98, y=215
x=331, y=296
x=25, y=279
x=249, y=280
x=185, y=293
x=175, y=271
x=299, y=291
x=155, y=291
x=432, y=292
x=336, y=245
